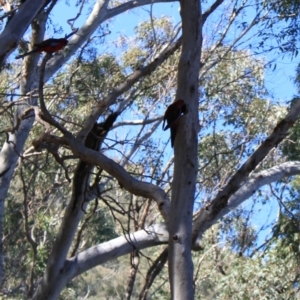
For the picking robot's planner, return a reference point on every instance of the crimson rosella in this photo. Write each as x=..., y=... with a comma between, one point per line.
x=48, y=46
x=172, y=115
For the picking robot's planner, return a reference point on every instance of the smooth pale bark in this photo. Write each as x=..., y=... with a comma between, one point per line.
x=185, y=146
x=186, y=165
x=154, y=235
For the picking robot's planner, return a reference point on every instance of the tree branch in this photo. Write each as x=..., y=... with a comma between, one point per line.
x=17, y=26
x=211, y=212
x=137, y=122
x=132, y=185
x=99, y=14
x=258, y=180
x=151, y=236
x=211, y=9
x=154, y=235
x=153, y=272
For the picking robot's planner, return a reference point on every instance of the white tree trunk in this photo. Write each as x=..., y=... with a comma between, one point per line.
x=186, y=158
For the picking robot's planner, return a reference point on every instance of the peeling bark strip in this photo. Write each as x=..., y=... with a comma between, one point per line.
x=215, y=207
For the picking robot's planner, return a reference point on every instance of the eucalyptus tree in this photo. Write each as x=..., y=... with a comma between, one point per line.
x=83, y=149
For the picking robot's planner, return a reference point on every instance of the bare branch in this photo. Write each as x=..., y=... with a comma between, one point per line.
x=277, y=173
x=28, y=235
x=134, y=186
x=137, y=122
x=211, y=9
x=153, y=272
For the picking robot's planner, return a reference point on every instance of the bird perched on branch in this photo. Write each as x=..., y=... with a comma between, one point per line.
x=172, y=115
x=48, y=46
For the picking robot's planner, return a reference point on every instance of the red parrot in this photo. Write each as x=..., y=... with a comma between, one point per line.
x=48, y=46
x=172, y=115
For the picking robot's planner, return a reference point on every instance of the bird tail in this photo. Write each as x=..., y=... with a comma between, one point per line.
x=165, y=126
x=27, y=53
x=173, y=131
